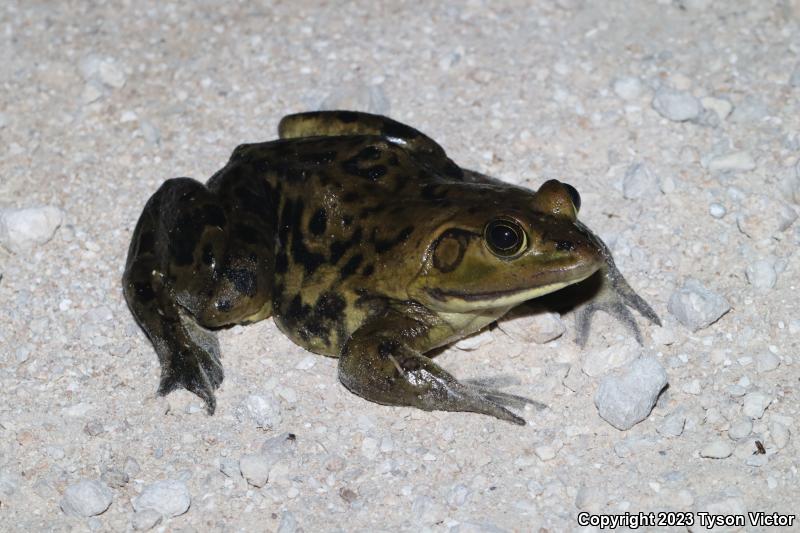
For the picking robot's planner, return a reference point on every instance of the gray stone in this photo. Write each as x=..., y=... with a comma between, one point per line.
x=22, y=229
x=145, y=520
x=695, y=306
x=538, y=328
x=627, y=399
x=732, y=162
x=86, y=498
x=255, y=468
x=678, y=106
x=640, y=182
x=761, y=274
x=755, y=403
x=627, y=87
x=168, y=497
x=767, y=362
x=264, y=412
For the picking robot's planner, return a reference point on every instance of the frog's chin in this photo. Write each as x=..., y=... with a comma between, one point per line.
x=466, y=301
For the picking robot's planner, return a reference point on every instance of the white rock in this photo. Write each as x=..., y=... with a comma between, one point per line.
x=719, y=106
x=716, y=210
x=767, y=362
x=761, y=274
x=458, y=495
x=779, y=433
x=761, y=217
x=473, y=342
x=168, y=497
x=230, y=467
x=695, y=306
x=673, y=424
x=280, y=445
x=255, y=468
x=678, y=106
x=735, y=161
x=539, y=328
x=21, y=229
x=111, y=74
x=755, y=403
x=718, y=449
x=263, y=412
x=626, y=400
x=740, y=428
x=640, y=182
x=627, y=87
x=86, y=498
x=145, y=520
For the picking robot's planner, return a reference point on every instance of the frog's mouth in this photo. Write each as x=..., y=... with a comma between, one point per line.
x=464, y=300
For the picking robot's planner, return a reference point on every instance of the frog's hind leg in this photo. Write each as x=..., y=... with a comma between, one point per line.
x=185, y=274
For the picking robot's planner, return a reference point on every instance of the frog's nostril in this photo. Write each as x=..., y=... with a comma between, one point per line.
x=565, y=246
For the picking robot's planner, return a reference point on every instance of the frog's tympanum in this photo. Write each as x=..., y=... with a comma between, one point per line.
x=363, y=241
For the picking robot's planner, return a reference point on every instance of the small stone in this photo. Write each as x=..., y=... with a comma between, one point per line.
x=664, y=336
x=145, y=520
x=547, y=452
x=458, y=495
x=280, y=445
x=591, y=499
x=716, y=210
x=131, y=467
x=22, y=229
x=627, y=399
x=751, y=110
x=719, y=106
x=149, y=132
x=473, y=342
x=8, y=483
x=761, y=274
x=740, y=428
x=167, y=497
x=111, y=74
x=640, y=182
x=762, y=217
x=627, y=87
x=86, y=498
x=767, y=362
x=757, y=460
x=287, y=394
x=718, y=449
x=93, y=428
x=255, y=469
x=755, y=403
x=263, y=412
x=115, y=477
x=678, y=106
x=672, y=425
x=230, y=467
x=597, y=363
x=288, y=523
x=779, y=433
x=732, y=162
x=348, y=494
x=695, y=306
x=538, y=328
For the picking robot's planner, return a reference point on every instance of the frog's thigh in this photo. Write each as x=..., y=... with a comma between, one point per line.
x=378, y=364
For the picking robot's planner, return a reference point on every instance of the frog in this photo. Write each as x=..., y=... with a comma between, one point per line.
x=365, y=242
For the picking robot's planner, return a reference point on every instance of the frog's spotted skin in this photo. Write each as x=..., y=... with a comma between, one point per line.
x=363, y=241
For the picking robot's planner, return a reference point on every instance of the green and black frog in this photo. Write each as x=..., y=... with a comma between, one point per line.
x=363, y=241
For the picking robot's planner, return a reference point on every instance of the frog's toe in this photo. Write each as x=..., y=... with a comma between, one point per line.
x=512, y=400
x=583, y=319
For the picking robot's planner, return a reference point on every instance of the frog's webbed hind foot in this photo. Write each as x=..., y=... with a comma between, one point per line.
x=195, y=365
x=490, y=387
x=383, y=369
x=616, y=297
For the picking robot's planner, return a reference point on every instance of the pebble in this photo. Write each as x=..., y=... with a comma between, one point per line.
x=102, y=69
x=150, y=133
x=672, y=425
x=288, y=523
x=761, y=274
x=145, y=520
x=591, y=499
x=767, y=362
x=779, y=433
x=263, y=412
x=131, y=466
x=718, y=449
x=716, y=210
x=732, y=162
x=115, y=477
x=168, y=497
x=458, y=495
x=538, y=328
x=627, y=87
x=86, y=498
x=473, y=342
x=740, y=428
x=230, y=467
x=547, y=452
x=751, y=110
x=719, y=106
x=627, y=399
x=597, y=363
x=280, y=445
x=755, y=403
x=24, y=228
x=762, y=217
x=255, y=468
x=640, y=182
x=678, y=106
x=695, y=306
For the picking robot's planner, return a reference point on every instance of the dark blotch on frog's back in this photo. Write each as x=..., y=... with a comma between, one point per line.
x=338, y=247
x=351, y=266
x=301, y=255
x=318, y=222
x=316, y=322
x=244, y=280
x=384, y=245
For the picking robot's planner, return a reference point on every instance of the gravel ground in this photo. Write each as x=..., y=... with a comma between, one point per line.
x=679, y=122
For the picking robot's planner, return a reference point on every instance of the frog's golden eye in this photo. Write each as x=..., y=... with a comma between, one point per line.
x=505, y=237
x=573, y=193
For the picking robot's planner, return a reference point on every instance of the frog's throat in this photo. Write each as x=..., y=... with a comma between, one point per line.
x=462, y=301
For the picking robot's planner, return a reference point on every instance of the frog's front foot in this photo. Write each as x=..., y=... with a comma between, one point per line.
x=385, y=369
x=615, y=296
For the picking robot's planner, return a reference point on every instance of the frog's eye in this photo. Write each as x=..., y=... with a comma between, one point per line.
x=573, y=193
x=505, y=238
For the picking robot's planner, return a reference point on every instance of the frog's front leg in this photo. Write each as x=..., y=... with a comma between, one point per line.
x=381, y=363
x=187, y=271
x=615, y=296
